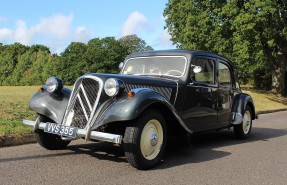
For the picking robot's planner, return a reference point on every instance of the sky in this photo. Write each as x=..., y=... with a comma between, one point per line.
x=57, y=23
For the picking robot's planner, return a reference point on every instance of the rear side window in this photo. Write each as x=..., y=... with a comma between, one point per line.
x=224, y=75
x=207, y=73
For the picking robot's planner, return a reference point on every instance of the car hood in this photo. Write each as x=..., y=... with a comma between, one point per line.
x=166, y=87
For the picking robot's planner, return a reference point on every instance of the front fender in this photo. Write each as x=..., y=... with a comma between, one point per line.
x=128, y=108
x=50, y=105
x=238, y=108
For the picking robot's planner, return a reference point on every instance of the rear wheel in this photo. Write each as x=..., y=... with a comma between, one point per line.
x=145, y=142
x=49, y=141
x=242, y=131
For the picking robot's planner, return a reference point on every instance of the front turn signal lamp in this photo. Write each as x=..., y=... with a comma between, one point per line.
x=131, y=94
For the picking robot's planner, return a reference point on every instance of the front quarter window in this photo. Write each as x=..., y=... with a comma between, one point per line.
x=206, y=75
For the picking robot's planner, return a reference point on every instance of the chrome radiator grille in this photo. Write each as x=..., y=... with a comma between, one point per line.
x=83, y=102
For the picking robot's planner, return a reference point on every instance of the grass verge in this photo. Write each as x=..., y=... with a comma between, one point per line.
x=266, y=100
x=14, y=106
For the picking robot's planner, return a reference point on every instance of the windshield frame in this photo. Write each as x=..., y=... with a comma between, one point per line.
x=161, y=56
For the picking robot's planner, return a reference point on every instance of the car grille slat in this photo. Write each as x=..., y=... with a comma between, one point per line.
x=86, y=100
x=91, y=88
x=79, y=119
x=83, y=107
x=83, y=102
x=165, y=91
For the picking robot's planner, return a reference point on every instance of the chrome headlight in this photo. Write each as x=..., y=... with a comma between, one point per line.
x=112, y=87
x=54, y=84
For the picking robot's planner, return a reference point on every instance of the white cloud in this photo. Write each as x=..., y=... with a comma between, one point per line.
x=56, y=26
x=135, y=23
x=5, y=34
x=53, y=32
x=162, y=41
x=165, y=38
x=22, y=34
x=82, y=35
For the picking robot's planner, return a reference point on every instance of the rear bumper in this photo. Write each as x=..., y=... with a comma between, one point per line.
x=101, y=136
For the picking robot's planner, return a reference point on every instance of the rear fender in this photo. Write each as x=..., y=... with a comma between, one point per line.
x=238, y=108
x=50, y=105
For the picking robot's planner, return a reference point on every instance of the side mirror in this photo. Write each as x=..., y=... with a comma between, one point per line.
x=121, y=65
x=196, y=69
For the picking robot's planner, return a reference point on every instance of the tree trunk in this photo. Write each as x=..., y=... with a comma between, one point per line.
x=279, y=80
x=279, y=77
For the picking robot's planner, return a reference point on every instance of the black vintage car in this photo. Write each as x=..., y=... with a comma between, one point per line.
x=158, y=94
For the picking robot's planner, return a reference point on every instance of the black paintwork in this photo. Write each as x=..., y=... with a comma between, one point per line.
x=51, y=105
x=196, y=107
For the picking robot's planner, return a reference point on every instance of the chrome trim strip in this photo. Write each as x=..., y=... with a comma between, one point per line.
x=101, y=136
x=86, y=97
x=101, y=87
x=83, y=107
x=64, y=121
x=175, y=98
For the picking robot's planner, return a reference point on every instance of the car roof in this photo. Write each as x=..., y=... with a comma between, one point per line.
x=177, y=52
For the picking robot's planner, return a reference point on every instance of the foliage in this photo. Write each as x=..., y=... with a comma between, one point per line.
x=134, y=44
x=104, y=55
x=70, y=64
x=262, y=78
x=24, y=65
x=247, y=32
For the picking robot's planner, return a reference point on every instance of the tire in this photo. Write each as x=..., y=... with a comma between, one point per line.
x=242, y=131
x=144, y=143
x=49, y=141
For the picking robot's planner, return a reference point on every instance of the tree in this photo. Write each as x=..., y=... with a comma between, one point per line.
x=31, y=68
x=1, y=47
x=72, y=62
x=8, y=61
x=134, y=44
x=32, y=65
x=104, y=55
x=248, y=32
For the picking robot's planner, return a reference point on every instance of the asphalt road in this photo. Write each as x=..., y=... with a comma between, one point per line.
x=215, y=158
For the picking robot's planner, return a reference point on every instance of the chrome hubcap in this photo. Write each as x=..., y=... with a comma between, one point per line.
x=151, y=139
x=246, y=122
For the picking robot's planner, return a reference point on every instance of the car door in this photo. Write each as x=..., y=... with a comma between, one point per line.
x=226, y=91
x=199, y=110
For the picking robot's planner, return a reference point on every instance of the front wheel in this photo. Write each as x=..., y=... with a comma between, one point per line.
x=242, y=131
x=145, y=142
x=47, y=140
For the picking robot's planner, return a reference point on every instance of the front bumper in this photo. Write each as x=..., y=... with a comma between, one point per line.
x=87, y=134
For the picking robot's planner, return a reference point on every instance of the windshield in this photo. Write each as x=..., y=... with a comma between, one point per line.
x=156, y=65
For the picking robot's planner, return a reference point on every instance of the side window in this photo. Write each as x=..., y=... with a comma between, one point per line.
x=207, y=73
x=224, y=76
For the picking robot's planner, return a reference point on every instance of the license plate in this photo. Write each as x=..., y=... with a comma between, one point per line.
x=61, y=130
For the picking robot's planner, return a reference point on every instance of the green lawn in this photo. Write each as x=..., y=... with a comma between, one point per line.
x=265, y=101
x=14, y=106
